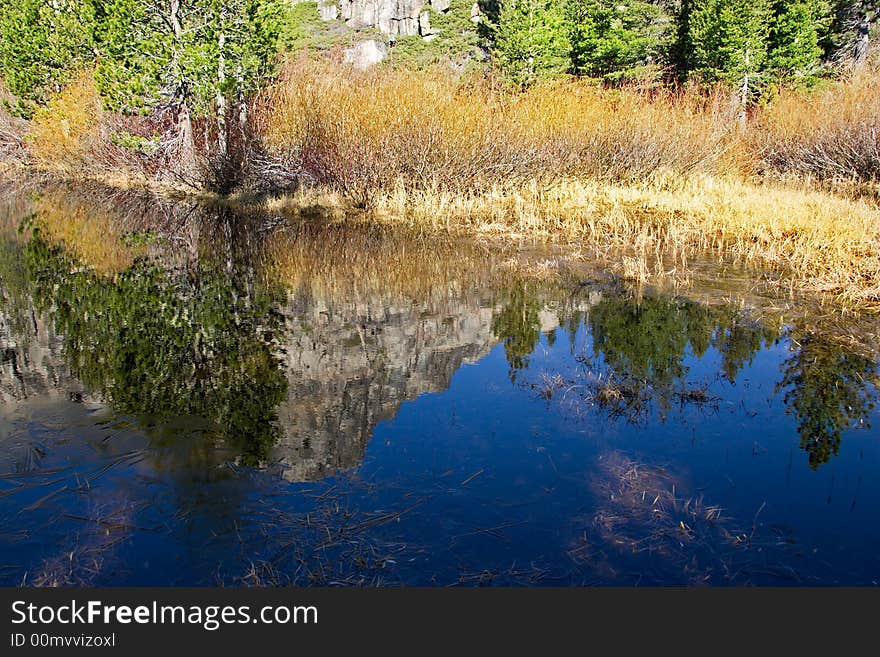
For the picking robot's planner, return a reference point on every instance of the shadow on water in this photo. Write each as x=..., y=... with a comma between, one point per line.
x=245, y=396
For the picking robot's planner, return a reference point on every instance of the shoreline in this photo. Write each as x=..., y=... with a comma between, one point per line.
x=801, y=238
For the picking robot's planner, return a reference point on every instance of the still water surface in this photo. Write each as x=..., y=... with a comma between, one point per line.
x=192, y=395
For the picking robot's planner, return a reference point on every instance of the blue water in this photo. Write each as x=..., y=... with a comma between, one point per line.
x=169, y=425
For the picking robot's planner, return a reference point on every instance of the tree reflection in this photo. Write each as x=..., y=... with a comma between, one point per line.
x=162, y=343
x=641, y=345
x=518, y=325
x=828, y=389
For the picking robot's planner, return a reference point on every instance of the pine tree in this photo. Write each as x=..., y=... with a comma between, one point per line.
x=796, y=35
x=42, y=45
x=616, y=40
x=730, y=41
x=184, y=56
x=531, y=40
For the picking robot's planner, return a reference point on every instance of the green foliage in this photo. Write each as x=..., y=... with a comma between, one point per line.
x=748, y=44
x=136, y=53
x=134, y=143
x=796, y=35
x=222, y=48
x=145, y=53
x=301, y=26
x=614, y=40
x=531, y=40
x=730, y=39
x=42, y=46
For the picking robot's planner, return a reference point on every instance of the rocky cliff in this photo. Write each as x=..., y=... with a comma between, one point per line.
x=394, y=18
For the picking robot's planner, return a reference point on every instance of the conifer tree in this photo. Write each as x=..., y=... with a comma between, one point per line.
x=613, y=39
x=730, y=42
x=183, y=56
x=531, y=40
x=796, y=34
x=42, y=45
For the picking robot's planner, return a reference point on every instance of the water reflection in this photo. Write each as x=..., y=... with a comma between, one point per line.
x=159, y=345
x=212, y=347
x=306, y=336
x=641, y=346
x=828, y=388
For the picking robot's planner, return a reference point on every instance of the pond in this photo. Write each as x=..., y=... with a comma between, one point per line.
x=201, y=395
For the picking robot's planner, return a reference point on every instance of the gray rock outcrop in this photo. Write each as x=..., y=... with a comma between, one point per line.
x=394, y=18
x=365, y=54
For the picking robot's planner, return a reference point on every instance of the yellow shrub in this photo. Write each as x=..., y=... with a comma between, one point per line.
x=63, y=133
x=364, y=133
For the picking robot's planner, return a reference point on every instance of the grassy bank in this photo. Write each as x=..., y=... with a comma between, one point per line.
x=648, y=180
x=801, y=238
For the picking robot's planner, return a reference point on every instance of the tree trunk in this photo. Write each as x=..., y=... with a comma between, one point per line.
x=744, y=95
x=222, y=146
x=186, y=140
x=242, y=104
x=863, y=35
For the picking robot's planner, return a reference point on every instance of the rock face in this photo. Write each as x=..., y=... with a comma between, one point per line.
x=395, y=18
x=366, y=53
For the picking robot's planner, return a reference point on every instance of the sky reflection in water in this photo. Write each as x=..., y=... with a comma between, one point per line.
x=190, y=397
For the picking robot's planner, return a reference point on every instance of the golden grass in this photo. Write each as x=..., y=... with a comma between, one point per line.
x=649, y=181
x=808, y=240
x=646, y=180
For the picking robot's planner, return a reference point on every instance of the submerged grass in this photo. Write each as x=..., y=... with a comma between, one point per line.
x=645, y=511
x=804, y=239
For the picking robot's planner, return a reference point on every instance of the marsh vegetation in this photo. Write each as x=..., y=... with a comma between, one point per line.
x=648, y=139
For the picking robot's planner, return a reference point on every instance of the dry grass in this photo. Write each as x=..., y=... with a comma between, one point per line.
x=647, y=181
x=74, y=138
x=807, y=239
x=831, y=133
x=365, y=134
x=644, y=511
